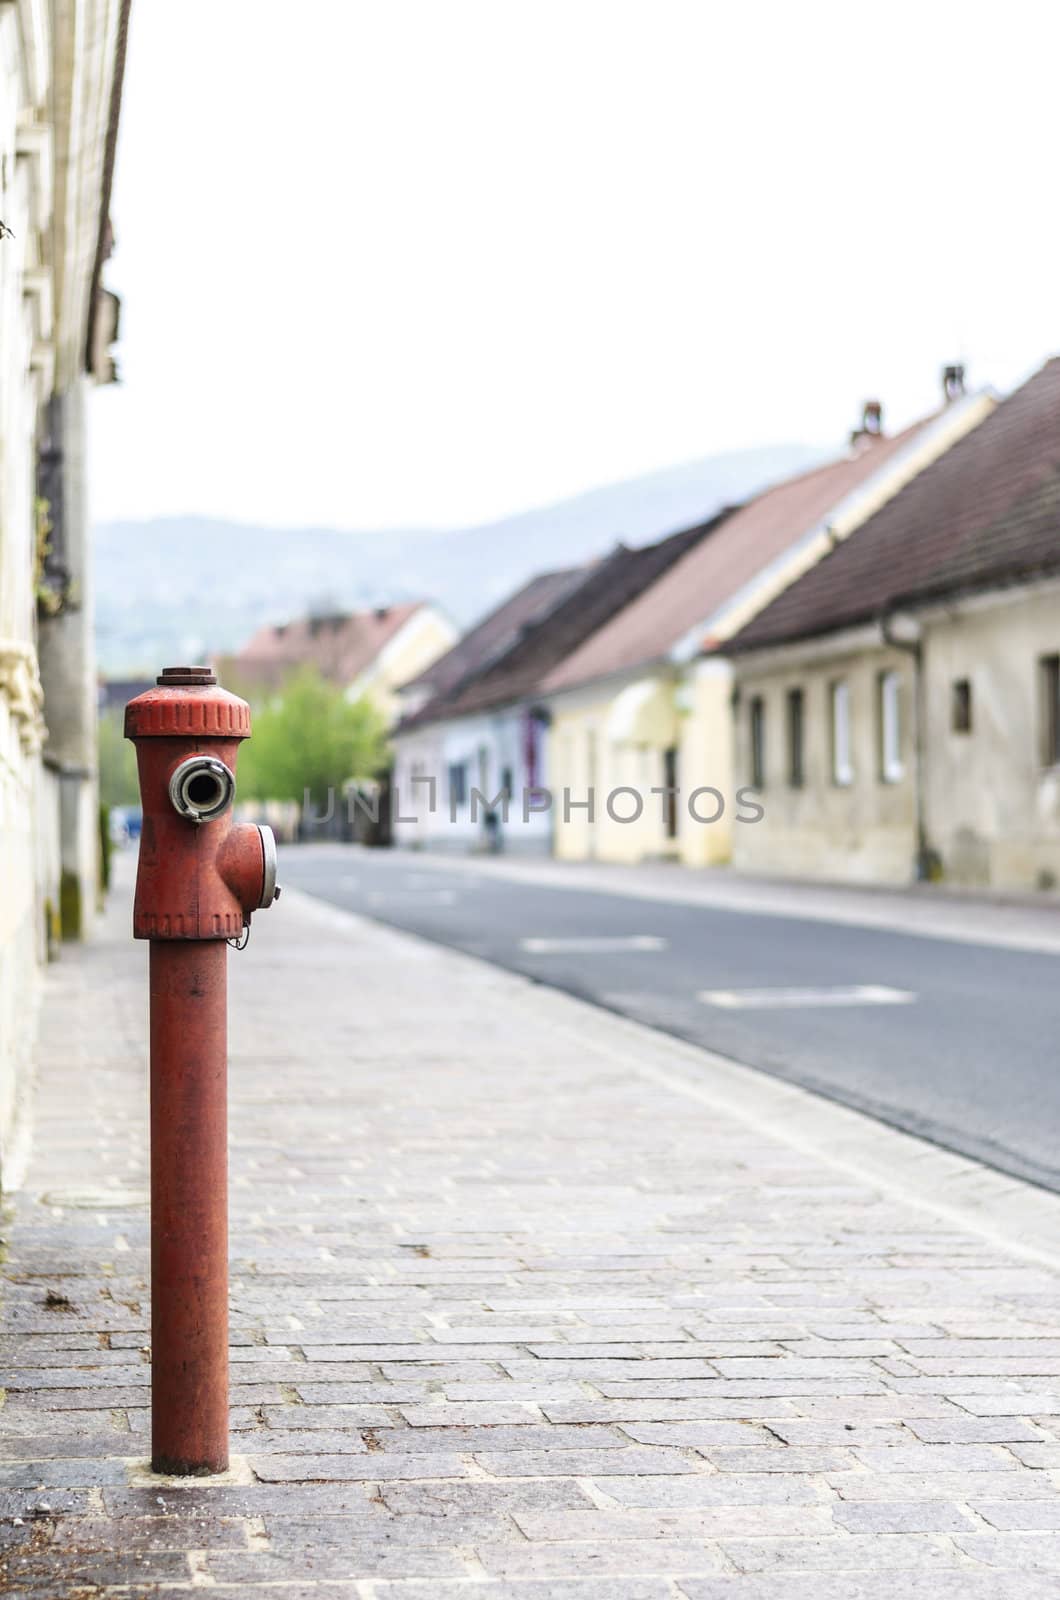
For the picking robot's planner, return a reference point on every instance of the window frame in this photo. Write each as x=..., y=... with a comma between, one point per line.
x=756, y=727
x=457, y=784
x=795, y=719
x=1049, y=709
x=889, y=725
x=841, y=748
x=961, y=706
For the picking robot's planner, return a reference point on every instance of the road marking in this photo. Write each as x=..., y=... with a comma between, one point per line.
x=858, y=994
x=430, y=897
x=592, y=946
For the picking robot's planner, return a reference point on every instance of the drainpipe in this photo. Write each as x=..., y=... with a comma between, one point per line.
x=903, y=632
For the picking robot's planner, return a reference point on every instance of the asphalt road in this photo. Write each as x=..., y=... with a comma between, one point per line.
x=965, y=1053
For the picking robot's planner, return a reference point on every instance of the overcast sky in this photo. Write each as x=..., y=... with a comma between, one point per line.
x=427, y=262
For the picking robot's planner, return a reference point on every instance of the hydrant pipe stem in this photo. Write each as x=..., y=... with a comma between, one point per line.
x=189, y=1206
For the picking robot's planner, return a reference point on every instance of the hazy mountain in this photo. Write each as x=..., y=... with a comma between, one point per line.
x=178, y=587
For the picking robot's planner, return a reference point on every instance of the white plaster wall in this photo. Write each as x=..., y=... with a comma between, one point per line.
x=486, y=745
x=863, y=832
x=993, y=807
x=56, y=68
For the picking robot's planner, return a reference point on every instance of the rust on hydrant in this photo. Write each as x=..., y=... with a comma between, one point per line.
x=199, y=879
x=200, y=876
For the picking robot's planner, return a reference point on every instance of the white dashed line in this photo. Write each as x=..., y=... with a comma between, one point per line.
x=858, y=994
x=592, y=946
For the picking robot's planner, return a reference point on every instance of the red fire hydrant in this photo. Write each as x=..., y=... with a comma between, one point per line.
x=198, y=881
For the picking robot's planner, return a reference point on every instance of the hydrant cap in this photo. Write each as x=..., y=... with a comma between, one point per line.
x=187, y=703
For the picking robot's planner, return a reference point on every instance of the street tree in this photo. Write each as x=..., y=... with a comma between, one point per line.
x=310, y=738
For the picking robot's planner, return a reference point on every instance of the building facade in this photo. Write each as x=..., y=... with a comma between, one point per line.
x=61, y=65
x=476, y=758
x=646, y=704
x=898, y=709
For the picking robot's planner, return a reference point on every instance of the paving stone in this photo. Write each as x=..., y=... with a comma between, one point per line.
x=835, y=1432
x=1045, y=1456
x=288, y=1441
x=658, y=1556
x=540, y=1436
x=897, y=1552
x=469, y=1414
x=939, y=1584
x=713, y=1489
x=444, y=1500
x=699, y=1435
x=507, y=1324
x=1019, y=1515
x=352, y=1468
x=354, y=1559
x=973, y=1430
x=563, y=1589
x=60, y=1474
x=938, y=1458
x=45, y=1502
x=1021, y=1403
x=707, y=1522
x=904, y=1516
x=1033, y=1551
x=95, y=1569
x=625, y=1411
x=778, y=1458
x=583, y=1463
x=959, y=1486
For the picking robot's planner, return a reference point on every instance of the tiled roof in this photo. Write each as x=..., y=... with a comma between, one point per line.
x=341, y=647
x=603, y=589
x=717, y=569
x=490, y=638
x=986, y=512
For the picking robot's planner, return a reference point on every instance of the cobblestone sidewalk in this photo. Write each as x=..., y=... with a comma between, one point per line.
x=517, y=1314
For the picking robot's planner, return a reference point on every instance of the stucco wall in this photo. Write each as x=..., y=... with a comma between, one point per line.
x=706, y=761
x=24, y=321
x=993, y=809
x=863, y=832
x=608, y=738
x=486, y=746
x=427, y=635
x=991, y=805
x=57, y=61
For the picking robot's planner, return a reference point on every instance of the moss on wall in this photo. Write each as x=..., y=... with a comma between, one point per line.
x=70, y=909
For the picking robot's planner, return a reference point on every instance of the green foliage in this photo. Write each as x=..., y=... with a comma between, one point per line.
x=309, y=736
x=118, y=784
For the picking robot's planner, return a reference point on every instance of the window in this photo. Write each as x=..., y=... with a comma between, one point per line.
x=842, y=765
x=961, y=706
x=458, y=784
x=1049, y=674
x=892, y=769
x=758, y=741
x=796, y=767
x=670, y=797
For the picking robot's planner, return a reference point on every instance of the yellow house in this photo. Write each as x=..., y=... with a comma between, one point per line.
x=641, y=713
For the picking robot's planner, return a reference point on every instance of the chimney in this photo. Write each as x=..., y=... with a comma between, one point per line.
x=952, y=383
x=871, y=422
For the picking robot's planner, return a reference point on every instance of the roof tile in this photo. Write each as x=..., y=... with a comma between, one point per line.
x=986, y=512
